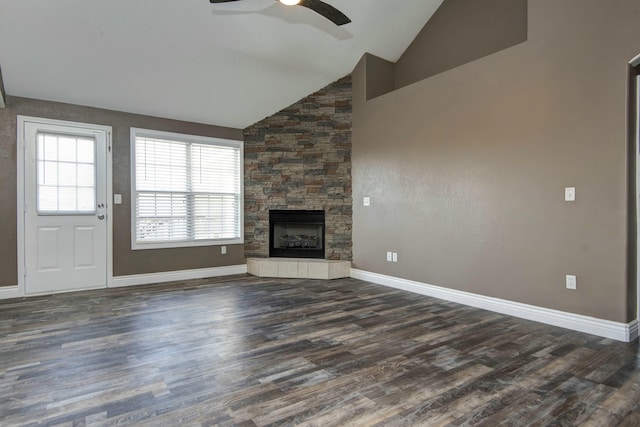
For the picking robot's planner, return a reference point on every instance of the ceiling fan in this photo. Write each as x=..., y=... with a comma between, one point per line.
x=320, y=7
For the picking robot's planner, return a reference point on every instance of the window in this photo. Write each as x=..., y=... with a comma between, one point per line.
x=186, y=190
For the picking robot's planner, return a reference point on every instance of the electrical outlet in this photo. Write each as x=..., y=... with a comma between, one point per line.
x=117, y=199
x=223, y=250
x=571, y=281
x=366, y=201
x=395, y=257
x=389, y=257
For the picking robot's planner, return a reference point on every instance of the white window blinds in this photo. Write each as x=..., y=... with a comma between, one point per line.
x=186, y=190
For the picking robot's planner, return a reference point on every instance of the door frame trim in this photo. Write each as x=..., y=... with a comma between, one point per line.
x=633, y=190
x=20, y=169
x=635, y=124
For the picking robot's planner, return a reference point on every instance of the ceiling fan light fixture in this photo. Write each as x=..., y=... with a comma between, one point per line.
x=318, y=6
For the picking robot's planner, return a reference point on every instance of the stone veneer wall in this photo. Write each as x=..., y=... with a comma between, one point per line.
x=300, y=158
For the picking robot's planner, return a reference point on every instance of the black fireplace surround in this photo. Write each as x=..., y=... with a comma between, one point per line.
x=296, y=234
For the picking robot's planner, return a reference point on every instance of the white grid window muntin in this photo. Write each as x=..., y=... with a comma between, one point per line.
x=66, y=174
x=186, y=190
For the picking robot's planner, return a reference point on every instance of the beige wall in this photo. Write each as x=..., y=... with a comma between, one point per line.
x=125, y=261
x=459, y=32
x=466, y=169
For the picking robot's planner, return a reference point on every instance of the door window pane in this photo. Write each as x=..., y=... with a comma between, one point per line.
x=66, y=174
x=86, y=150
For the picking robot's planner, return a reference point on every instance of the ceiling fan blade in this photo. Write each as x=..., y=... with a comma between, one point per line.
x=320, y=7
x=326, y=10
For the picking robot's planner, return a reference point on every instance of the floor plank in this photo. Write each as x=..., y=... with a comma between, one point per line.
x=247, y=351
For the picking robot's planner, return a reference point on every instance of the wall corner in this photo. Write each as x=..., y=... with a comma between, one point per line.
x=3, y=102
x=372, y=77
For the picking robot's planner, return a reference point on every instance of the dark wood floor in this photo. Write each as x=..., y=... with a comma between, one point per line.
x=244, y=351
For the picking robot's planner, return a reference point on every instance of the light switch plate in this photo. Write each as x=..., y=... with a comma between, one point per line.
x=571, y=281
x=366, y=201
x=570, y=194
x=117, y=199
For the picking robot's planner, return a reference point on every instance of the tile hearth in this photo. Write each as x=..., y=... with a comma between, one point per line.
x=298, y=268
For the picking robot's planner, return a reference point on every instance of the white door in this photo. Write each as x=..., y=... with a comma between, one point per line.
x=65, y=196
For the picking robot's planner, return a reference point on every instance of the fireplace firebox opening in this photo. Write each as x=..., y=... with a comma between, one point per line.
x=296, y=233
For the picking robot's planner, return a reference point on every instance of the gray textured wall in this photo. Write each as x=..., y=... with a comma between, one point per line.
x=125, y=261
x=466, y=169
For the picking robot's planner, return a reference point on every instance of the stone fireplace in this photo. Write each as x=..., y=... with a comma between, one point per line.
x=299, y=159
x=296, y=233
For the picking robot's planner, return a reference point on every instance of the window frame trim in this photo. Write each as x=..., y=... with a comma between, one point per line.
x=187, y=138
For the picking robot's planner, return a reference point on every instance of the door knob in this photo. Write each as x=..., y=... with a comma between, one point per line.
x=101, y=216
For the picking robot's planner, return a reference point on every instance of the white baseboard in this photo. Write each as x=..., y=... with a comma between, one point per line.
x=625, y=332
x=170, y=276
x=7, y=292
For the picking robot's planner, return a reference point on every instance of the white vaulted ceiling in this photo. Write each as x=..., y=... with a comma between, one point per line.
x=228, y=64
